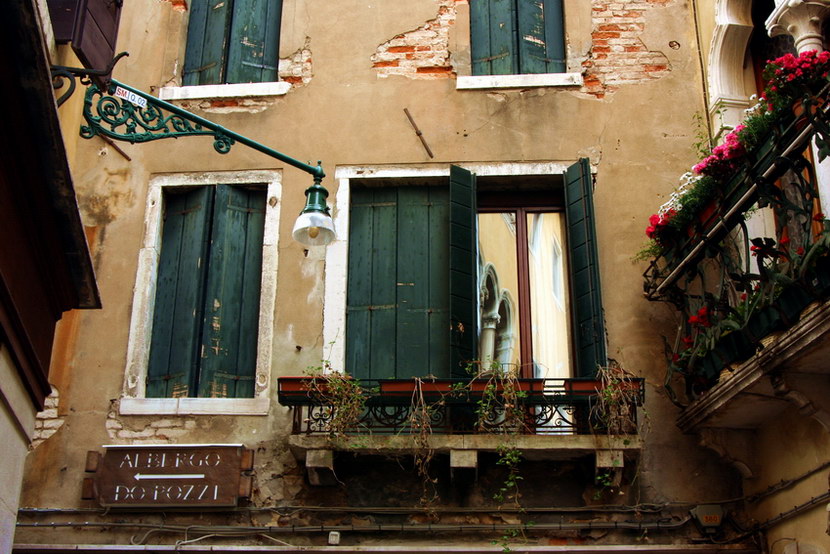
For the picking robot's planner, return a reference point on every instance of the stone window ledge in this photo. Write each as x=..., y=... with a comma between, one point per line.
x=194, y=406
x=236, y=90
x=518, y=81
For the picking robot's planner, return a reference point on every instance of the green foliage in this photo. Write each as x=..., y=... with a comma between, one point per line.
x=340, y=394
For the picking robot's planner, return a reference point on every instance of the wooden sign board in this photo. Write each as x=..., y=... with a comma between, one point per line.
x=163, y=476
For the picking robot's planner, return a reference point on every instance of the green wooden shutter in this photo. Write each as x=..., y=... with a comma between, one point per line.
x=587, y=317
x=372, y=306
x=396, y=322
x=177, y=317
x=231, y=311
x=253, y=46
x=541, y=36
x=463, y=270
x=422, y=292
x=493, y=37
x=207, y=39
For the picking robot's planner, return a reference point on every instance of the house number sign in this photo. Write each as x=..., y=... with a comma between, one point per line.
x=163, y=476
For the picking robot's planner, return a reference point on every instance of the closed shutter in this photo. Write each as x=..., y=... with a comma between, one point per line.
x=588, y=325
x=493, y=37
x=177, y=317
x=511, y=37
x=541, y=36
x=463, y=271
x=207, y=39
x=372, y=306
x=231, y=305
x=253, y=47
x=396, y=323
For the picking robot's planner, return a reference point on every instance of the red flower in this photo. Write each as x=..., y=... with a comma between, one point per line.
x=694, y=320
x=800, y=251
x=818, y=217
x=688, y=341
x=784, y=241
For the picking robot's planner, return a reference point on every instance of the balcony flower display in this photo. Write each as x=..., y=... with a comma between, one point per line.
x=788, y=79
x=732, y=289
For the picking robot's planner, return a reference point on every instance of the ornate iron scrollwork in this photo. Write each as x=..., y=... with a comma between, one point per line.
x=120, y=119
x=62, y=74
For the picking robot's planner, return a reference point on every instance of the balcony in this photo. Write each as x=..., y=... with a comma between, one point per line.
x=545, y=419
x=752, y=307
x=547, y=406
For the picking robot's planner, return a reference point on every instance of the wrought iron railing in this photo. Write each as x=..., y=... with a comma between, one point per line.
x=456, y=406
x=732, y=288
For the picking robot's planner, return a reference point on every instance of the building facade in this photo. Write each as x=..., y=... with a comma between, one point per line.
x=491, y=166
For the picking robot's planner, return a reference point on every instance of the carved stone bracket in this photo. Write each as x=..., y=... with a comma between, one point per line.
x=734, y=446
x=805, y=400
x=802, y=19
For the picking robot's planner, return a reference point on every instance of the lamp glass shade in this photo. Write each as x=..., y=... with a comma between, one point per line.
x=314, y=229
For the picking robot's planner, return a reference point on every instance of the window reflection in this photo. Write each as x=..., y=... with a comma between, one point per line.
x=521, y=254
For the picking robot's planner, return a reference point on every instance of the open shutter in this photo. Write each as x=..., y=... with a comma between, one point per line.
x=588, y=325
x=231, y=312
x=253, y=47
x=96, y=28
x=493, y=37
x=463, y=271
x=207, y=38
x=541, y=36
x=177, y=317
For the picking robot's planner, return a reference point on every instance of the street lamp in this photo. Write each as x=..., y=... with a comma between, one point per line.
x=314, y=226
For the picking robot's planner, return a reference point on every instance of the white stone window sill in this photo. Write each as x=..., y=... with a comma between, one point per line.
x=194, y=406
x=236, y=90
x=519, y=81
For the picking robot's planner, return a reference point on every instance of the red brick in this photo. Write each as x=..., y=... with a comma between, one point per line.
x=293, y=79
x=607, y=34
x=392, y=63
x=179, y=5
x=400, y=49
x=655, y=67
x=436, y=69
x=223, y=103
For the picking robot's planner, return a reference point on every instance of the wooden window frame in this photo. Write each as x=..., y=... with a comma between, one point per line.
x=522, y=205
x=134, y=400
x=217, y=37
x=336, y=275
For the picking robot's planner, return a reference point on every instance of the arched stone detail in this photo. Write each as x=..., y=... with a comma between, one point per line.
x=802, y=19
x=734, y=447
x=728, y=93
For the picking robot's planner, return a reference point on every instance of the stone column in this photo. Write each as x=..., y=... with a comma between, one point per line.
x=487, y=346
x=802, y=19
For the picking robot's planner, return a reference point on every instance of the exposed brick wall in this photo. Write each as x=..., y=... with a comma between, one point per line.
x=140, y=430
x=48, y=421
x=421, y=53
x=179, y=5
x=618, y=55
x=296, y=68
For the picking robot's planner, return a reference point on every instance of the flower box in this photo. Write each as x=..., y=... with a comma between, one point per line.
x=791, y=302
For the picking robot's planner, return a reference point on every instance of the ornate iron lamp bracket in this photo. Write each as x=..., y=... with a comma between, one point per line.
x=62, y=73
x=128, y=114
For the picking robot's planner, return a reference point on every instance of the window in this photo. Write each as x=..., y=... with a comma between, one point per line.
x=232, y=41
x=434, y=281
x=207, y=297
x=512, y=37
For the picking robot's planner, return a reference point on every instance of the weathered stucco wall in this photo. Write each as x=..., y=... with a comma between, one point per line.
x=354, y=67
